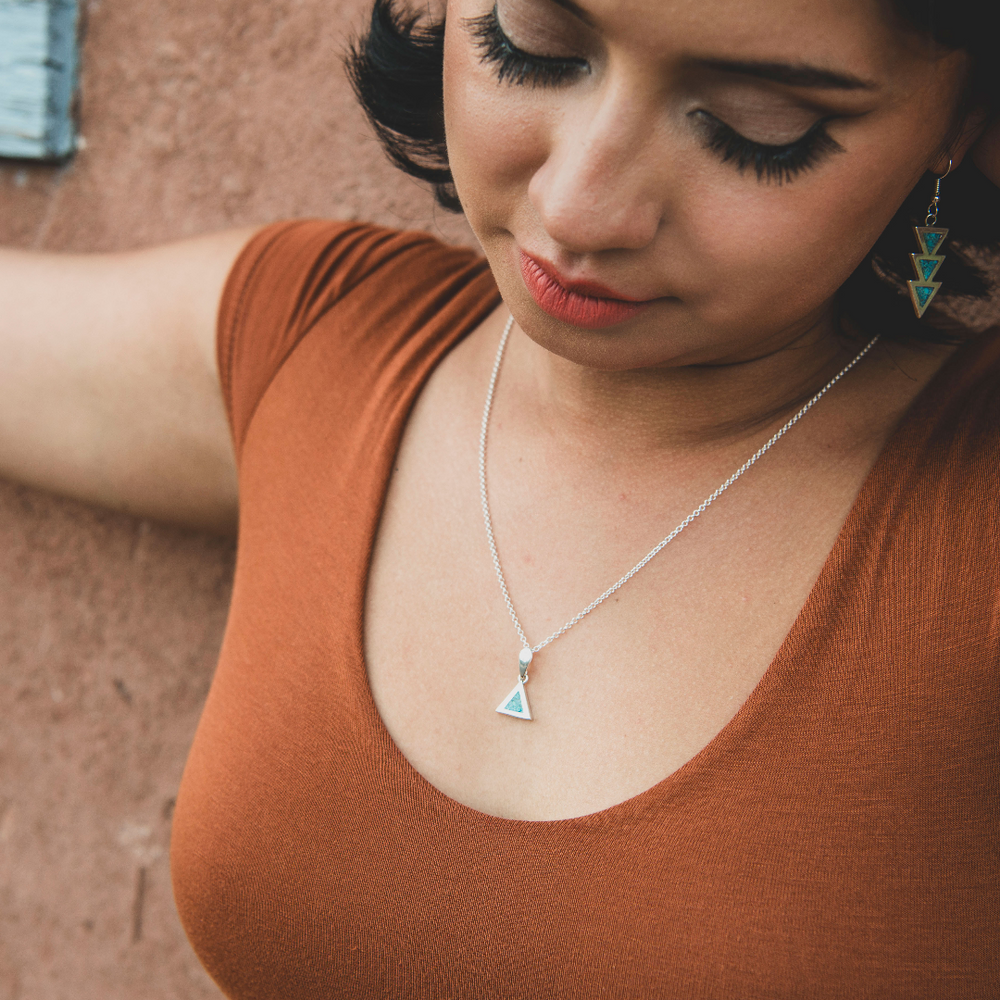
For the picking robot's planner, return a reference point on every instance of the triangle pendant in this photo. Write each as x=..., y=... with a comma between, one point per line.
x=925, y=265
x=921, y=293
x=516, y=703
x=930, y=238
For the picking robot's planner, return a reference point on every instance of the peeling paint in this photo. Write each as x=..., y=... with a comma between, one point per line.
x=38, y=71
x=136, y=838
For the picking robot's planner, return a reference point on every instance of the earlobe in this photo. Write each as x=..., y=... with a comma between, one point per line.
x=967, y=137
x=986, y=152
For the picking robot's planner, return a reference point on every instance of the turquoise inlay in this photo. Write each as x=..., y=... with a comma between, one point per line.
x=924, y=294
x=931, y=241
x=514, y=705
x=927, y=267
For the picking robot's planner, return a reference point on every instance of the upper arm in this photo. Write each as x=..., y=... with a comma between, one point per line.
x=109, y=388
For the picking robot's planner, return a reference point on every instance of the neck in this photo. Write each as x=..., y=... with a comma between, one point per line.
x=687, y=407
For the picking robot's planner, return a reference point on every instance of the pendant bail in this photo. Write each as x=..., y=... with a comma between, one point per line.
x=523, y=660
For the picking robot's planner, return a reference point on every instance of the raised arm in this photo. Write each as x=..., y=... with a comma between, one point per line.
x=109, y=390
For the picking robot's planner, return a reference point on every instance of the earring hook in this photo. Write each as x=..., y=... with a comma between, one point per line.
x=932, y=208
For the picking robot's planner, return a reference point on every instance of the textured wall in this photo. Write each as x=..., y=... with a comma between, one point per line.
x=197, y=115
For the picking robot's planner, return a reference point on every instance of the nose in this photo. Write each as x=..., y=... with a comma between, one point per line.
x=602, y=186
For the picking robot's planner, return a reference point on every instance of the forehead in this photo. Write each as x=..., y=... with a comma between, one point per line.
x=855, y=35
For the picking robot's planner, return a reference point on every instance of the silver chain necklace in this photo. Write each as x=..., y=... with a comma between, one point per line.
x=516, y=703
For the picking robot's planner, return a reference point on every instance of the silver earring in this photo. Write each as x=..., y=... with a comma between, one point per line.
x=928, y=261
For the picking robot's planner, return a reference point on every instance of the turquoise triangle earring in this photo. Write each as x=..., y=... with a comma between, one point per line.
x=928, y=261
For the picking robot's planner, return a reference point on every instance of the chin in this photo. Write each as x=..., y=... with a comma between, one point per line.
x=654, y=340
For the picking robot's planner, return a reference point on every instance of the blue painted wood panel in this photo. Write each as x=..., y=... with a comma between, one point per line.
x=38, y=70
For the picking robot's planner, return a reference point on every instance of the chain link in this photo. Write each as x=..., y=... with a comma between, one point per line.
x=697, y=512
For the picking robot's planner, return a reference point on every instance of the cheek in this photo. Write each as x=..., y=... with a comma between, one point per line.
x=496, y=136
x=777, y=252
x=780, y=251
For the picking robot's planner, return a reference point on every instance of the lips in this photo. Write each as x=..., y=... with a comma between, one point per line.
x=581, y=304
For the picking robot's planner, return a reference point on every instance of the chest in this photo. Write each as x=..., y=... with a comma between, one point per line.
x=646, y=680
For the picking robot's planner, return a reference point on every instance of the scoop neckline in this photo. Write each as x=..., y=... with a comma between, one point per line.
x=827, y=584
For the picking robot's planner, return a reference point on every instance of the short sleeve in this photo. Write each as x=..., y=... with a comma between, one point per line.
x=290, y=275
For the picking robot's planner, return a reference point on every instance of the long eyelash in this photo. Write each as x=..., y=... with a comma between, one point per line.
x=514, y=64
x=770, y=163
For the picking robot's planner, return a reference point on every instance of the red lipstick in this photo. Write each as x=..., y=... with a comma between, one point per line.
x=582, y=303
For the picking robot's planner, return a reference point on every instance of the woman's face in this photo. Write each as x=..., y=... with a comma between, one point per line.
x=726, y=162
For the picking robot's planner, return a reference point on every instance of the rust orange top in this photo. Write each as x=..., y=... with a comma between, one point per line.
x=839, y=838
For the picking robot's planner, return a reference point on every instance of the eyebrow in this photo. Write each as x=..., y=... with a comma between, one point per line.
x=802, y=75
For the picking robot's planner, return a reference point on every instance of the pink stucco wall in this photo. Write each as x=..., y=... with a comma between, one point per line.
x=197, y=115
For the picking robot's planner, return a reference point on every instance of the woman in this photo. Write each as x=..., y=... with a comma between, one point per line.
x=765, y=765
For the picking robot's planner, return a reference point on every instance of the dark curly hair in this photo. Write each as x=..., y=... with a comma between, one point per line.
x=396, y=67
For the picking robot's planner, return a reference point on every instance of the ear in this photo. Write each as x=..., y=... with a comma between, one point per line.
x=986, y=152
x=967, y=136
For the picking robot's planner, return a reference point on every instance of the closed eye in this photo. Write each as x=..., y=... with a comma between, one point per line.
x=778, y=163
x=515, y=65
